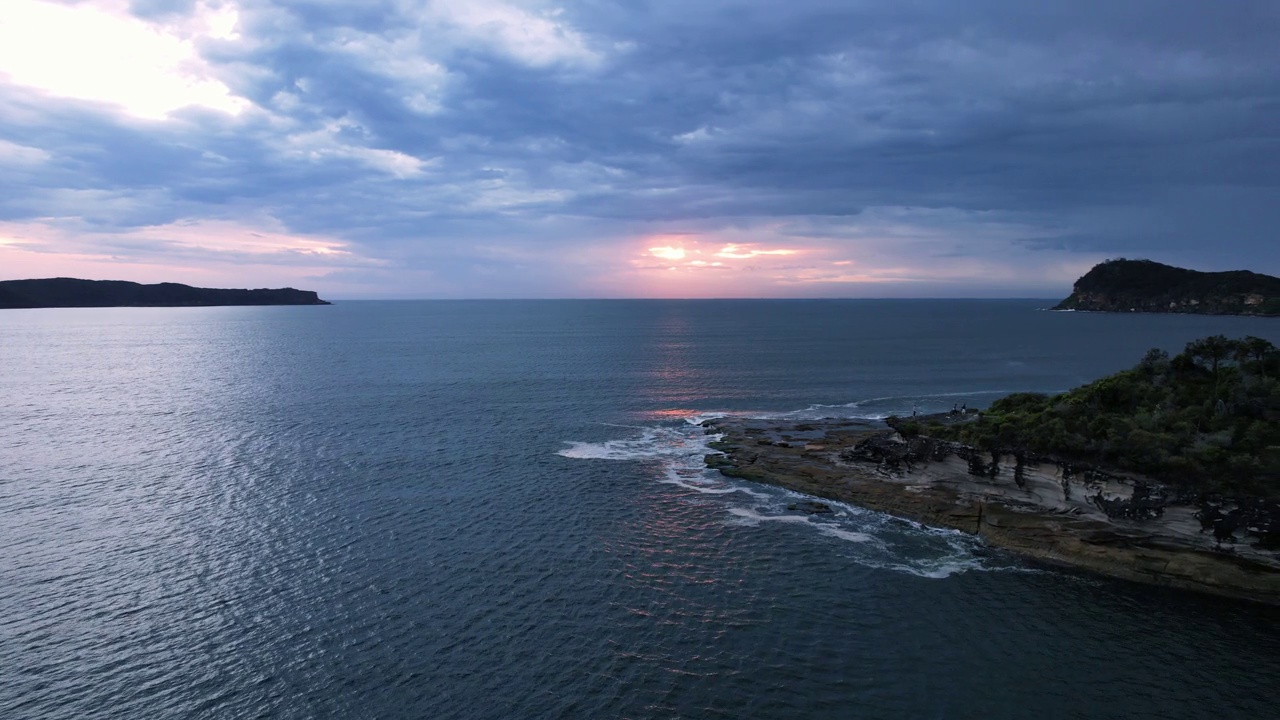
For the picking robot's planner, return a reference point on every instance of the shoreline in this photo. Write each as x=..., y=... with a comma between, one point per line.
x=1034, y=510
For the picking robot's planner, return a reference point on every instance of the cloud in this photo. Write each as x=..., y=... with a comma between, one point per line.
x=733, y=250
x=101, y=53
x=545, y=148
x=218, y=252
x=538, y=39
x=21, y=154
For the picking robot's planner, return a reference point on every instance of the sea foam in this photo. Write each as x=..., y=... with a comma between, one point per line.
x=870, y=539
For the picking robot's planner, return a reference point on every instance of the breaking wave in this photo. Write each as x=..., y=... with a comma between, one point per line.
x=677, y=451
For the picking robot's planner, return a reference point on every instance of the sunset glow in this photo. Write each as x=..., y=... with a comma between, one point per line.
x=530, y=148
x=667, y=253
x=690, y=254
x=746, y=251
x=219, y=252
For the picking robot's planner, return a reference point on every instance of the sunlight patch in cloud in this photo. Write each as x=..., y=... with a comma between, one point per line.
x=667, y=253
x=684, y=253
x=221, y=23
x=742, y=252
x=101, y=53
x=9, y=239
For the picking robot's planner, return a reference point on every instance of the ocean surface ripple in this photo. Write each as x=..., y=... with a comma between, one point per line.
x=497, y=510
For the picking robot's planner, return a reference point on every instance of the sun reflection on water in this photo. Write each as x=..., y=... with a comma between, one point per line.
x=675, y=375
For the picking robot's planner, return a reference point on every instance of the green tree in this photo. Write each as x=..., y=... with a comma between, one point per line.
x=1214, y=349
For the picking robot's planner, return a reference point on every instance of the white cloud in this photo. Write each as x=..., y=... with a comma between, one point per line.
x=14, y=154
x=260, y=240
x=537, y=39
x=325, y=144
x=733, y=250
x=667, y=252
x=419, y=80
x=702, y=134
x=101, y=53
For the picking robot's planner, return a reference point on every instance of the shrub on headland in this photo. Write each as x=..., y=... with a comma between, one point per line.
x=1207, y=419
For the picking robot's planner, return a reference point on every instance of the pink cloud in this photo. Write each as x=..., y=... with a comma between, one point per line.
x=205, y=252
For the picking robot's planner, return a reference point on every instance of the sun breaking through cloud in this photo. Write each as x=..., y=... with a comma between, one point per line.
x=99, y=52
x=667, y=252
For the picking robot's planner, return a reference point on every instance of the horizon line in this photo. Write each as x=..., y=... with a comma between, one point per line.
x=663, y=299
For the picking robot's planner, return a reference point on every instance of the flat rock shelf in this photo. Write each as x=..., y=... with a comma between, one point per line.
x=1040, y=510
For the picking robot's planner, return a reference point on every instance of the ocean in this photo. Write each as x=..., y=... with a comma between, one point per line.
x=497, y=509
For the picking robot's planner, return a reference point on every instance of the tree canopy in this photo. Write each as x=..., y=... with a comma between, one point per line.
x=1207, y=419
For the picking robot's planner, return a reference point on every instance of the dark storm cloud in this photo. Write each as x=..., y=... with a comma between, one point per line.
x=1079, y=128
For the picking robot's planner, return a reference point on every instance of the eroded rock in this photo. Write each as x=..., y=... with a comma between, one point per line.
x=1083, y=517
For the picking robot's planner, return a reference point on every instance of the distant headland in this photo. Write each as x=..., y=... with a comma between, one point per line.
x=72, y=292
x=1146, y=286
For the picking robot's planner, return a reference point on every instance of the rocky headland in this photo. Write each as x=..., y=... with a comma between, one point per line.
x=1114, y=523
x=1167, y=473
x=73, y=292
x=1147, y=286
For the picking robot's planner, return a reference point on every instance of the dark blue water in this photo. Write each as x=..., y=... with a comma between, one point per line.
x=497, y=510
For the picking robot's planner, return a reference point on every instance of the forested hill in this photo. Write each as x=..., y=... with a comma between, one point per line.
x=1147, y=286
x=1207, y=419
x=71, y=292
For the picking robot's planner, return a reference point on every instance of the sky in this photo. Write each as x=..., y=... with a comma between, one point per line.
x=636, y=148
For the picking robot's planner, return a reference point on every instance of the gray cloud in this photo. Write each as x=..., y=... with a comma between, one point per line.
x=1082, y=129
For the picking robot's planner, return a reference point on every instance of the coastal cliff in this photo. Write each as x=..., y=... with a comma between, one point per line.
x=72, y=292
x=1147, y=286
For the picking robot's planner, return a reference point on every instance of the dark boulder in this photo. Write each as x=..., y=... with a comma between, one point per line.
x=812, y=507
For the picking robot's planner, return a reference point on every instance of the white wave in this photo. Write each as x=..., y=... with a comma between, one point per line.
x=700, y=418
x=703, y=486
x=870, y=539
x=751, y=518
x=653, y=443
x=837, y=532
x=897, y=405
x=881, y=541
x=943, y=567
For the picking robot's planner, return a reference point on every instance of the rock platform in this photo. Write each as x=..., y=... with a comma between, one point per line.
x=1039, y=510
